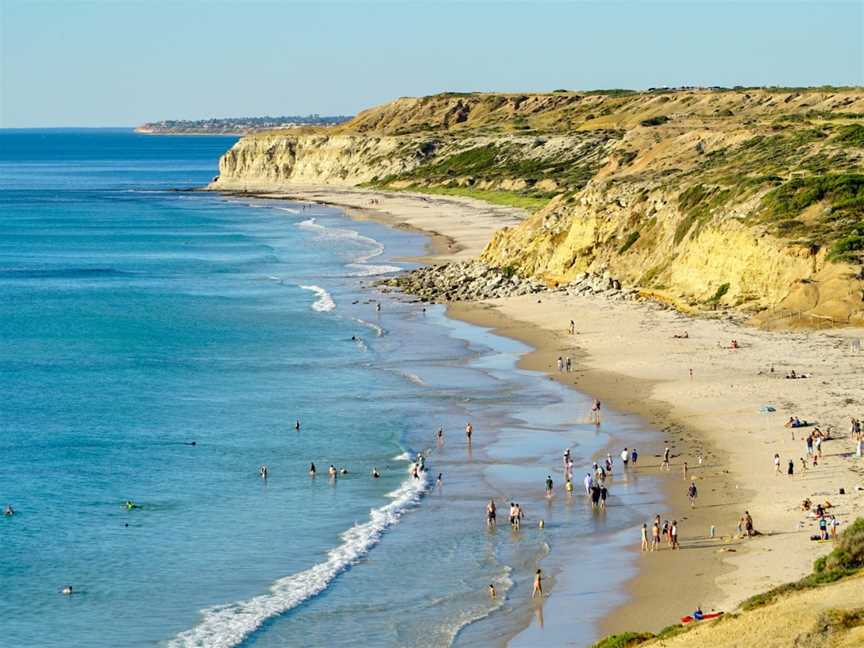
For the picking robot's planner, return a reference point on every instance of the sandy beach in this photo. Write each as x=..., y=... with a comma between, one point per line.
x=709, y=401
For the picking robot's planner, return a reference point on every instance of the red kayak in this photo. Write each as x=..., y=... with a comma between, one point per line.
x=689, y=619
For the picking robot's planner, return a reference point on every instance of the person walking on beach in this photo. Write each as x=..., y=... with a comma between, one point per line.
x=548, y=485
x=790, y=470
x=538, y=585
x=469, y=430
x=572, y=329
x=634, y=456
x=692, y=493
x=776, y=463
x=665, y=464
x=655, y=535
x=625, y=456
x=684, y=470
x=673, y=534
x=560, y=364
x=644, y=537
x=568, y=364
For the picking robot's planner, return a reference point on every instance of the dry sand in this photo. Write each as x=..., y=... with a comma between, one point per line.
x=627, y=356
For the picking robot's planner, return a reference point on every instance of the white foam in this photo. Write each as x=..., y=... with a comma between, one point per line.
x=360, y=264
x=289, y=210
x=224, y=626
x=310, y=223
x=414, y=378
x=379, y=332
x=324, y=303
x=405, y=456
x=362, y=270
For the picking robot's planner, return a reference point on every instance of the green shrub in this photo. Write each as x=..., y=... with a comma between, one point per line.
x=654, y=121
x=624, y=640
x=722, y=289
x=631, y=239
x=853, y=135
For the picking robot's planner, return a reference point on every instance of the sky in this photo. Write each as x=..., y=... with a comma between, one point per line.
x=123, y=63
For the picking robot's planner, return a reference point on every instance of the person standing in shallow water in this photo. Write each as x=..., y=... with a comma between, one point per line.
x=538, y=585
x=644, y=537
x=469, y=430
x=548, y=485
x=491, y=514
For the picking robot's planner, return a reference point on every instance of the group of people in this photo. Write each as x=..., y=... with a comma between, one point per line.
x=564, y=364
x=515, y=517
x=667, y=530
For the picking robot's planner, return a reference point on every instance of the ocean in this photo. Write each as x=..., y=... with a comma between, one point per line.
x=157, y=347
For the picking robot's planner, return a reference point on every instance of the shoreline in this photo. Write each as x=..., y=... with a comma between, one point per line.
x=626, y=356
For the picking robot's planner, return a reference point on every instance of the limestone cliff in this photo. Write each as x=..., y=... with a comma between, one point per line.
x=749, y=198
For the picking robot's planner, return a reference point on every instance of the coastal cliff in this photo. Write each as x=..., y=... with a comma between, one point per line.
x=750, y=199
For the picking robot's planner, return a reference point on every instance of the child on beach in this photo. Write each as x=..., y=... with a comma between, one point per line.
x=644, y=537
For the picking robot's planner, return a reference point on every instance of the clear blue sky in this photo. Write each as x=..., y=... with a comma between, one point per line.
x=70, y=63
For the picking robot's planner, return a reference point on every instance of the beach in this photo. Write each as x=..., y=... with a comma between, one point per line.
x=730, y=412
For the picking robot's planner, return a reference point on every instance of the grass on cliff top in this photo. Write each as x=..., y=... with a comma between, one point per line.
x=502, y=162
x=529, y=203
x=845, y=560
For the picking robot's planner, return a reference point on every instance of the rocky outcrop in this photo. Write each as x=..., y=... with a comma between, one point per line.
x=467, y=281
x=473, y=280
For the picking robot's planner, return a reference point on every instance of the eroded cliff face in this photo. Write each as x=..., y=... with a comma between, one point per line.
x=750, y=199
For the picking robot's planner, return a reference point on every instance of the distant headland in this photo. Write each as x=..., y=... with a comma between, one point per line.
x=236, y=125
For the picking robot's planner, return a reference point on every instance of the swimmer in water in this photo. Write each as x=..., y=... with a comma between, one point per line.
x=311, y=469
x=263, y=472
x=67, y=591
x=491, y=591
x=375, y=473
x=297, y=425
x=343, y=471
x=331, y=471
x=378, y=307
x=8, y=511
x=440, y=481
x=129, y=504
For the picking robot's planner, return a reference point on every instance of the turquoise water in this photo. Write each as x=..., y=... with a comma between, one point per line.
x=136, y=320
